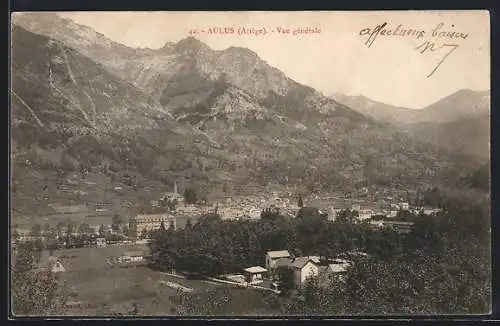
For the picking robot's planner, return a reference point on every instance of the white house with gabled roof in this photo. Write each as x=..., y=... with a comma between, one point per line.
x=304, y=268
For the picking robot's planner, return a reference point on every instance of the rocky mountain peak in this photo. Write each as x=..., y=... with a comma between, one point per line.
x=41, y=17
x=168, y=47
x=242, y=52
x=190, y=44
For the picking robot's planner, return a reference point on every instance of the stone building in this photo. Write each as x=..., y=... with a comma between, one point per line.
x=151, y=222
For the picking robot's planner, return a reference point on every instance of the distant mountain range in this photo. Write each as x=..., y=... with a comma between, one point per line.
x=82, y=101
x=377, y=110
x=460, y=121
x=457, y=106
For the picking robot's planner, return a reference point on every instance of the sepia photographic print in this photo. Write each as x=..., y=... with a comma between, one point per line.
x=258, y=164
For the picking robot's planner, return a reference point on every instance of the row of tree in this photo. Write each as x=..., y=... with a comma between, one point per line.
x=119, y=224
x=213, y=246
x=442, y=266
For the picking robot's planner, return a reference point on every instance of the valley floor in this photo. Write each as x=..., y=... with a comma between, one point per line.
x=99, y=289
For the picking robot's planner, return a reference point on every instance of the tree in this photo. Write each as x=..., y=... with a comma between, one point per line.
x=308, y=213
x=132, y=231
x=163, y=250
x=51, y=246
x=35, y=292
x=61, y=225
x=126, y=231
x=36, y=230
x=270, y=213
x=144, y=234
x=71, y=227
x=286, y=280
x=16, y=235
x=210, y=218
x=347, y=216
x=315, y=299
x=38, y=249
x=441, y=267
x=416, y=283
x=301, y=202
x=209, y=302
x=190, y=196
x=117, y=222
x=101, y=230
x=405, y=215
x=84, y=228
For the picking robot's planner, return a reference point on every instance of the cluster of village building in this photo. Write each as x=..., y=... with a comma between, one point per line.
x=238, y=208
x=245, y=207
x=301, y=268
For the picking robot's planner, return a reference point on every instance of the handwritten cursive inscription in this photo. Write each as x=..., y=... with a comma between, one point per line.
x=436, y=39
x=381, y=29
x=430, y=46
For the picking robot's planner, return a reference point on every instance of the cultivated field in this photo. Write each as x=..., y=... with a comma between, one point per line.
x=113, y=289
x=34, y=193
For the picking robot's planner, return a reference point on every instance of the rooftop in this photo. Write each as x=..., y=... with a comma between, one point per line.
x=146, y=216
x=283, y=262
x=398, y=222
x=134, y=253
x=315, y=259
x=338, y=268
x=300, y=262
x=278, y=254
x=255, y=269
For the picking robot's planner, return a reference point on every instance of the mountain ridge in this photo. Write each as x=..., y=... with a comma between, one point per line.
x=145, y=69
x=214, y=120
x=478, y=100
x=459, y=121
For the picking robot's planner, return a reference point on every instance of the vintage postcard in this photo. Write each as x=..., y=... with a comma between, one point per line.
x=257, y=164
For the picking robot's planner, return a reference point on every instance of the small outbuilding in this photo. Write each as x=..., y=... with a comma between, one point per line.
x=55, y=265
x=255, y=274
x=133, y=256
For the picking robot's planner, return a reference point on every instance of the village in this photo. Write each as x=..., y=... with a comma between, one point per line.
x=121, y=247
x=103, y=284
x=172, y=210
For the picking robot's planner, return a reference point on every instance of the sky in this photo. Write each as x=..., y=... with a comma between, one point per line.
x=336, y=60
